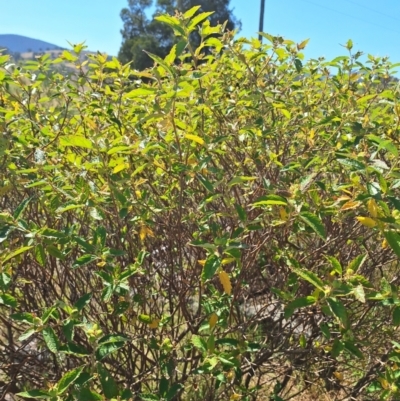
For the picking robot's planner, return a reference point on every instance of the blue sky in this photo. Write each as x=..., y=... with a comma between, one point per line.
x=373, y=26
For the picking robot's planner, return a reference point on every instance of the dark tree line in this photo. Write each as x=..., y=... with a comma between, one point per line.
x=142, y=32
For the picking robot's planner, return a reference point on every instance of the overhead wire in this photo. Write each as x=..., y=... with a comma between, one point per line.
x=373, y=10
x=351, y=16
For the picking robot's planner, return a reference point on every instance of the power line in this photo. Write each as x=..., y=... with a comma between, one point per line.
x=351, y=16
x=371, y=9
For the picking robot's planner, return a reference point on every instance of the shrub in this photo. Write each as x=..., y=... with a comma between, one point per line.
x=216, y=227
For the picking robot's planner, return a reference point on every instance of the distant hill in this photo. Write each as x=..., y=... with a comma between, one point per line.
x=23, y=44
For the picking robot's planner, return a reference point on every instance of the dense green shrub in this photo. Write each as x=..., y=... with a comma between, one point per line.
x=226, y=230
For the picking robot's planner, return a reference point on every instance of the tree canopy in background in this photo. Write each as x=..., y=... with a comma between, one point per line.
x=143, y=33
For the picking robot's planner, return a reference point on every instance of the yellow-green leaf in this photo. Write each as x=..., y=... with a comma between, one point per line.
x=303, y=44
x=393, y=240
x=240, y=179
x=76, y=140
x=225, y=281
x=350, y=205
x=366, y=221
x=120, y=167
x=212, y=321
x=270, y=200
x=315, y=223
x=17, y=252
x=372, y=208
x=195, y=138
x=140, y=92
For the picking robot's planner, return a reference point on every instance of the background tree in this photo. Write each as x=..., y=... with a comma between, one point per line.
x=142, y=33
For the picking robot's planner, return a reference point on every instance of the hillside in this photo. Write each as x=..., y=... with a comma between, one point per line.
x=22, y=44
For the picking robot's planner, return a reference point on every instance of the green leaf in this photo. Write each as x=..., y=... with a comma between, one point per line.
x=394, y=201
x=240, y=180
x=197, y=19
x=68, y=379
x=180, y=47
x=89, y=248
x=5, y=280
x=141, y=92
x=68, y=329
x=195, y=138
x=5, y=231
x=241, y=212
x=76, y=140
x=8, y=300
x=337, y=267
x=210, y=267
x=162, y=63
x=21, y=207
x=66, y=55
x=74, y=349
x=51, y=339
x=114, y=338
x=359, y=293
x=214, y=42
x=307, y=275
x=199, y=343
x=173, y=22
x=55, y=252
x=61, y=210
x=315, y=223
x=126, y=395
x=298, y=64
x=16, y=253
x=226, y=362
x=189, y=13
x=270, y=200
x=145, y=318
x=396, y=316
x=337, y=348
x=357, y=262
x=48, y=313
x=353, y=164
x=303, y=44
x=364, y=99
x=101, y=233
x=390, y=147
x=26, y=335
x=148, y=397
x=302, y=341
x=307, y=181
x=39, y=394
x=86, y=394
x=232, y=342
x=83, y=301
x=50, y=233
x=163, y=386
x=339, y=310
x=353, y=349
x=110, y=388
x=325, y=330
x=84, y=260
x=40, y=255
x=173, y=391
x=298, y=303
x=108, y=348
x=349, y=44
x=393, y=240
x=206, y=184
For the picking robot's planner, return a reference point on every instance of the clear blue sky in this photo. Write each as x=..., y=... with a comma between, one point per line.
x=373, y=26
